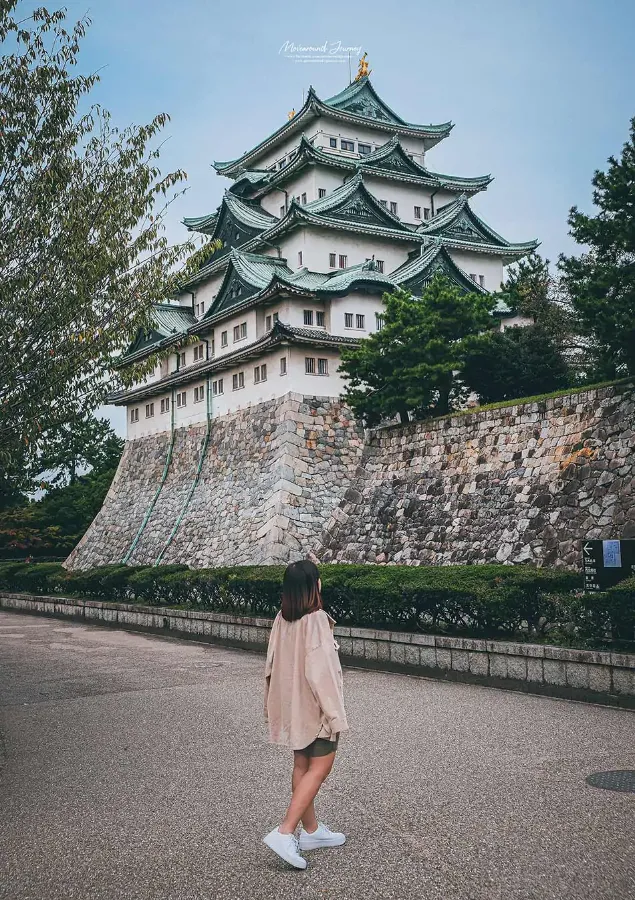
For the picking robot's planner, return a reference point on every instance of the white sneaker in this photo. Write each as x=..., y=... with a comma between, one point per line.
x=323, y=837
x=286, y=846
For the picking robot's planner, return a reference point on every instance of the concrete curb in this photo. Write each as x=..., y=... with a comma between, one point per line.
x=591, y=675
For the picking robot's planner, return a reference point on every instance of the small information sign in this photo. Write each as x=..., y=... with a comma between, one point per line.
x=605, y=563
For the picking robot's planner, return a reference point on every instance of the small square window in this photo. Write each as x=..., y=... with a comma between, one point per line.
x=238, y=381
x=359, y=321
x=134, y=415
x=319, y=319
x=181, y=399
x=343, y=261
x=149, y=410
x=417, y=212
x=256, y=374
x=363, y=149
x=321, y=193
x=236, y=332
x=303, y=199
x=331, y=260
x=299, y=257
x=217, y=387
x=384, y=203
x=481, y=280
x=165, y=405
x=323, y=367
x=182, y=359
x=393, y=208
x=283, y=365
x=243, y=330
x=223, y=339
x=379, y=265
x=348, y=145
x=308, y=317
x=263, y=372
x=309, y=365
x=333, y=142
x=426, y=212
x=267, y=323
x=348, y=320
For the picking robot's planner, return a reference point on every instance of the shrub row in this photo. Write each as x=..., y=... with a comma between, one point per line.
x=478, y=601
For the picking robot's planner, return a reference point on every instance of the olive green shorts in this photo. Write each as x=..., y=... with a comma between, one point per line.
x=320, y=747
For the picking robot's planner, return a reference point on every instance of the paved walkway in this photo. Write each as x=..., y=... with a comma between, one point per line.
x=137, y=767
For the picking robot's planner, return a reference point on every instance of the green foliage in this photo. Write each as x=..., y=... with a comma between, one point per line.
x=489, y=601
x=83, y=254
x=408, y=368
x=602, y=281
x=514, y=363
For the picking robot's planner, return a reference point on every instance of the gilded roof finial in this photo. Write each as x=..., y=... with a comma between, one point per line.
x=291, y=114
x=363, y=70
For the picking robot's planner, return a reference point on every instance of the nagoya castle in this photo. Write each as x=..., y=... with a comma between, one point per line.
x=239, y=448
x=333, y=209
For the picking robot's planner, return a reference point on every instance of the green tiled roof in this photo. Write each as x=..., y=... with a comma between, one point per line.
x=433, y=258
x=458, y=225
x=169, y=323
x=248, y=214
x=358, y=104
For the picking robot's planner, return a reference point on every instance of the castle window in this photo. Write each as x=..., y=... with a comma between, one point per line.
x=384, y=203
x=134, y=415
x=343, y=261
x=426, y=212
x=299, y=257
x=417, y=212
x=308, y=317
x=379, y=265
x=379, y=321
x=481, y=280
x=303, y=199
x=149, y=410
x=393, y=208
x=181, y=399
x=236, y=332
x=260, y=373
x=359, y=321
x=217, y=387
x=275, y=318
x=223, y=339
x=182, y=359
x=309, y=365
x=202, y=305
x=321, y=193
x=243, y=330
x=331, y=260
x=165, y=405
x=348, y=320
x=323, y=367
x=283, y=365
x=333, y=143
x=473, y=277
x=199, y=393
x=347, y=145
x=238, y=381
x=319, y=319
x=268, y=323
x=198, y=352
x=282, y=212
x=363, y=149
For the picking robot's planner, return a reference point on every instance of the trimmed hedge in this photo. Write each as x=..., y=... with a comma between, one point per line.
x=487, y=601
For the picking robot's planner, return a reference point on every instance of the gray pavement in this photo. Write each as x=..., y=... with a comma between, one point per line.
x=135, y=766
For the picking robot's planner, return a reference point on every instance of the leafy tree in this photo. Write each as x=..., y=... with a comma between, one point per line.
x=83, y=253
x=601, y=282
x=409, y=367
x=532, y=291
x=73, y=447
x=518, y=362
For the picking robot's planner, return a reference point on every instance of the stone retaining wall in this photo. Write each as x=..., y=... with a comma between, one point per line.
x=270, y=478
x=604, y=677
x=522, y=483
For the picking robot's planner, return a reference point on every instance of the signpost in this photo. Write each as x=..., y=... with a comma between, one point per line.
x=607, y=562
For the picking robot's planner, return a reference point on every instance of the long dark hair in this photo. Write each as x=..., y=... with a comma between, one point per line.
x=300, y=590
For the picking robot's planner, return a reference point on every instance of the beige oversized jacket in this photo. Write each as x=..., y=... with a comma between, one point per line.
x=303, y=682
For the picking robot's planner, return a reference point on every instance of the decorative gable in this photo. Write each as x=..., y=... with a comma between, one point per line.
x=231, y=232
x=362, y=209
x=232, y=292
x=465, y=229
x=363, y=101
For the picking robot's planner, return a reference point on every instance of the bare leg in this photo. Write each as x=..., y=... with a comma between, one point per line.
x=306, y=790
x=300, y=768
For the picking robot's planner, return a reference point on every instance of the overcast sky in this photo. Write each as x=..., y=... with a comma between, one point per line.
x=541, y=93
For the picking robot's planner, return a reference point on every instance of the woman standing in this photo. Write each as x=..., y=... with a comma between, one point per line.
x=304, y=707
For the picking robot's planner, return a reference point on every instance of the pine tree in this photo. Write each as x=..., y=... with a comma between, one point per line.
x=601, y=282
x=409, y=367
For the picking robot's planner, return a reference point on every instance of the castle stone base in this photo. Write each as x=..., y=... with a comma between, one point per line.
x=256, y=490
